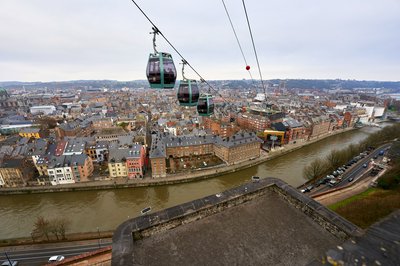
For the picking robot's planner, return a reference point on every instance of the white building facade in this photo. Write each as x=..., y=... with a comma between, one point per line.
x=43, y=109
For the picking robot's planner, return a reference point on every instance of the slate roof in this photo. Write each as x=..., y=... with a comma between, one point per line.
x=119, y=153
x=292, y=123
x=103, y=144
x=12, y=163
x=157, y=149
x=67, y=160
x=42, y=160
x=162, y=141
x=29, y=130
x=238, y=139
x=69, y=126
x=279, y=126
x=75, y=146
x=175, y=141
x=39, y=147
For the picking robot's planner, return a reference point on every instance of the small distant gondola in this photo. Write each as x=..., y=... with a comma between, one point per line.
x=205, y=105
x=161, y=72
x=188, y=93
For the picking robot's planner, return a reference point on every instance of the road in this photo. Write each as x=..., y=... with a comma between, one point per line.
x=356, y=171
x=347, y=192
x=39, y=254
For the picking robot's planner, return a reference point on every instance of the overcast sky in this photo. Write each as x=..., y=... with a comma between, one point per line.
x=55, y=40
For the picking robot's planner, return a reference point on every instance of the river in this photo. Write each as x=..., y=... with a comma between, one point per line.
x=89, y=210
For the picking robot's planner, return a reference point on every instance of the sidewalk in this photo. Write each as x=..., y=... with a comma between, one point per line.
x=62, y=243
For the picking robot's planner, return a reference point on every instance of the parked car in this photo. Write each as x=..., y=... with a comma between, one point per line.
x=309, y=188
x=56, y=258
x=7, y=263
x=320, y=182
x=332, y=183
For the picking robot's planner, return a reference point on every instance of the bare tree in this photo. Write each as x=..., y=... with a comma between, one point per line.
x=334, y=159
x=315, y=169
x=62, y=225
x=41, y=228
x=54, y=228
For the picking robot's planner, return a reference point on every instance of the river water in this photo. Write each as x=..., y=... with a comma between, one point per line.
x=89, y=210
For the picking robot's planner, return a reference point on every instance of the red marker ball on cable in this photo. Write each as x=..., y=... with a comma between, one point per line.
x=247, y=67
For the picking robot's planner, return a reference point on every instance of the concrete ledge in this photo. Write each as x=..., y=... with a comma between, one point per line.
x=144, y=226
x=328, y=219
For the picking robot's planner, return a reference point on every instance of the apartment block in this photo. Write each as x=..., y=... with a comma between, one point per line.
x=67, y=169
x=14, y=173
x=127, y=162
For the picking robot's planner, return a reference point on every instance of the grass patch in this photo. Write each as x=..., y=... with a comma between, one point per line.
x=368, y=207
x=347, y=201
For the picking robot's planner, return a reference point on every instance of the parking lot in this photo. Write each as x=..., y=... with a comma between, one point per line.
x=366, y=162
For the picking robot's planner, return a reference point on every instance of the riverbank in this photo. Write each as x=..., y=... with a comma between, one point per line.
x=102, y=237
x=194, y=175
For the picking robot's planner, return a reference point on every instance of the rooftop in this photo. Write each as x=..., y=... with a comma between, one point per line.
x=263, y=223
x=118, y=154
x=29, y=130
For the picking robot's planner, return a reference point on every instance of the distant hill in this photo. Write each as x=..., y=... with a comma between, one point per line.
x=239, y=84
x=75, y=84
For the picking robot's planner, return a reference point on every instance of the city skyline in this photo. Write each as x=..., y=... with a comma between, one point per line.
x=53, y=41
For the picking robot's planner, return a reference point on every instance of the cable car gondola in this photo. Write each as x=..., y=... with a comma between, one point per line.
x=188, y=93
x=205, y=106
x=161, y=72
x=188, y=90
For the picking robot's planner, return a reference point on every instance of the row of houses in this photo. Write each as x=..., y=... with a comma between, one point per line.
x=237, y=148
x=70, y=160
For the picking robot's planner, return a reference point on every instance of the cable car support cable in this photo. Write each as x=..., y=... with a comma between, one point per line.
x=155, y=28
x=237, y=39
x=254, y=48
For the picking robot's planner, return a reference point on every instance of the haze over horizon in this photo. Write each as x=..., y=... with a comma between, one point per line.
x=108, y=40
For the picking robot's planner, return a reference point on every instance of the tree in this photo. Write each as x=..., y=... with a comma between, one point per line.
x=334, y=159
x=54, y=229
x=62, y=225
x=41, y=228
x=315, y=169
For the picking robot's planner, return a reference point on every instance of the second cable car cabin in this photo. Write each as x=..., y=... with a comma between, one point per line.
x=161, y=72
x=188, y=92
x=205, y=105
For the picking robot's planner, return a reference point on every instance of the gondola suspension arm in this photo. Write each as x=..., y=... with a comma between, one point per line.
x=155, y=32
